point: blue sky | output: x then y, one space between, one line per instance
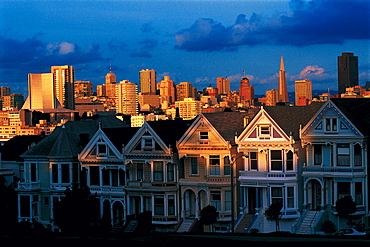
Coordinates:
190 40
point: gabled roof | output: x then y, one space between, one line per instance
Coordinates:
290 118
64 141
230 124
357 110
12 149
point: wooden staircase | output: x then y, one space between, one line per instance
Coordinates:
308 221
131 227
244 223
185 225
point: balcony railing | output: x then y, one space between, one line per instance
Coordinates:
142 184
346 170
106 189
268 175
29 186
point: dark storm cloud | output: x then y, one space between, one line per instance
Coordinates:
29 54
147 46
309 23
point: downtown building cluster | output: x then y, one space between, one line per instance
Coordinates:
305 156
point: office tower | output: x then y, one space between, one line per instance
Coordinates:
347 71
12 102
41 92
210 91
167 90
83 89
110 84
100 90
184 90
303 92
148 81
64 85
271 97
127 100
189 108
282 87
4 91
223 85
246 92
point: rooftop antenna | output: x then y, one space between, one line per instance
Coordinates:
110 67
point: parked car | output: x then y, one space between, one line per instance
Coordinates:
348 232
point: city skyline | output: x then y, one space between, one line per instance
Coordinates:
213 39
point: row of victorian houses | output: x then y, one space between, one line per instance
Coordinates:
306 157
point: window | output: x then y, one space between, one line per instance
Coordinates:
33 172
277 195
94 175
158 170
105 175
317 154
139 171
46 201
265 130
171 205
290 197
214 163
227 200
253 160
344 189
331 124
101 150
203 135
54 173
194 165
147 143
65 173
216 199
358 193
170 172
159 205
227 167
276 160
343 154
357 155
289 161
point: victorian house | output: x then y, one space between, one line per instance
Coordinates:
209 156
271 174
336 158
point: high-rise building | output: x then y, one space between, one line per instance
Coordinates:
64 85
246 92
110 84
12 102
303 92
127 100
210 91
189 108
282 87
83 89
5 91
184 90
223 85
271 97
148 81
167 90
41 92
347 71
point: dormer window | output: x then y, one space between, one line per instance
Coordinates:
265 130
101 150
331 124
147 143
203 135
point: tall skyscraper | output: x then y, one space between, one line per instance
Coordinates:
167 90
148 81
223 85
41 92
110 84
282 87
83 89
64 85
184 90
246 92
347 71
303 92
127 100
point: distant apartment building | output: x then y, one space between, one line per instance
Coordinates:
184 90
64 85
271 97
189 108
83 89
148 81
223 85
347 71
5 91
167 90
303 92
127 99
12 102
246 92
148 101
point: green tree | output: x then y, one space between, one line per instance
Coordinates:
345 206
78 211
208 215
273 213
